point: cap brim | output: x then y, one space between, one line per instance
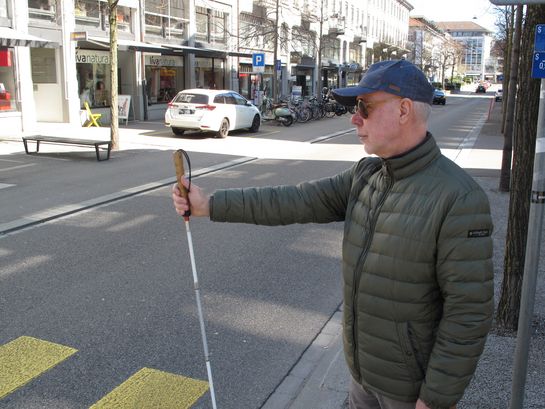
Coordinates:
347 96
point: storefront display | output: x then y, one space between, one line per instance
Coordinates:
94 82
164 77
209 72
7 81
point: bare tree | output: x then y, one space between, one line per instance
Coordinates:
526 116
114 127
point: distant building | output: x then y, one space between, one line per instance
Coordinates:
426 44
476 41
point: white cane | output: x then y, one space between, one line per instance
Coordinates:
179 165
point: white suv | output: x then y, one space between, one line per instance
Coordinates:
213 110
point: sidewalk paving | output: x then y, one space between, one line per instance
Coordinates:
325 384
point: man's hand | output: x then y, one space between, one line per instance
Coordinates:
421 405
197 203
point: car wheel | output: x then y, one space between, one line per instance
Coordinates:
224 129
255 124
444 102
178 131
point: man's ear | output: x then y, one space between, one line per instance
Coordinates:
406 109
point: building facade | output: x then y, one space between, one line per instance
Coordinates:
428 48
55 56
476 43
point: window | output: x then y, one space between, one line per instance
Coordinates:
42 9
165 18
239 100
4 8
210 25
93 73
7 81
43 66
164 78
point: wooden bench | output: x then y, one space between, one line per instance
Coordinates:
69 141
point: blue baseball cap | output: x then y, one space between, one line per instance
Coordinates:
397 77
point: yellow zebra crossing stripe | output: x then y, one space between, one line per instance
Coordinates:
24 358
151 389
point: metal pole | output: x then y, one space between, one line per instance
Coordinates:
531 261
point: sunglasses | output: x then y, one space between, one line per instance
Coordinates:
364 106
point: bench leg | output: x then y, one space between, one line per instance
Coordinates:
109 148
25 142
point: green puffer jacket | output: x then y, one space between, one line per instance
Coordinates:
417 266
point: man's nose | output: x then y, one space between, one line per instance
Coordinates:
357 119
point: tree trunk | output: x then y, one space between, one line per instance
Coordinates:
510 27
114 127
505 175
521 186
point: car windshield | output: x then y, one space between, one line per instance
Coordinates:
192 98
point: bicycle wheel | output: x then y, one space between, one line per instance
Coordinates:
304 114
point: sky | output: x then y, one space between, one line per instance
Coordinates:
459 10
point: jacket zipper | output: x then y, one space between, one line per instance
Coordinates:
359 269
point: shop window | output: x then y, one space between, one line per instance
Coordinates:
163 82
209 73
42 9
44 70
7 81
94 81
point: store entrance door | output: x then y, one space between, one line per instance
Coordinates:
47 86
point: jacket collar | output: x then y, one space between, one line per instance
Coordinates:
413 161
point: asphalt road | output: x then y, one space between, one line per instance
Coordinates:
114 281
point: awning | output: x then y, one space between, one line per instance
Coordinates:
206 52
13 38
123 44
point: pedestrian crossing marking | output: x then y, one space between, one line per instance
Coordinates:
24 358
151 389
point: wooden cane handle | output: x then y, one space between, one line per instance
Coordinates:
179 166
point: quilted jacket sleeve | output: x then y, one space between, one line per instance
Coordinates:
319 201
465 276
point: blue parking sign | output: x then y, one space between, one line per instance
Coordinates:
258 62
258 59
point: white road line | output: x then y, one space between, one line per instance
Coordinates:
17 167
5 185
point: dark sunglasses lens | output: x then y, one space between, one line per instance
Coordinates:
362 109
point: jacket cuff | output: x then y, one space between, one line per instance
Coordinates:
435 401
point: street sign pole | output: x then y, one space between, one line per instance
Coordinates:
533 240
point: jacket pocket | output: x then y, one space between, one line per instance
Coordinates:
411 353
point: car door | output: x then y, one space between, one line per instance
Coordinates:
228 108
245 114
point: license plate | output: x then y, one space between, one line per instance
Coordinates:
186 111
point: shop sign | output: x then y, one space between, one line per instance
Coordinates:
78 36
164 61
92 57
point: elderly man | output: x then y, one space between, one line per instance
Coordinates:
417 268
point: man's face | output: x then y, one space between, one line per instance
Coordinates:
379 131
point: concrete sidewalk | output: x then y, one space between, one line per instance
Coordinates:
320 379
